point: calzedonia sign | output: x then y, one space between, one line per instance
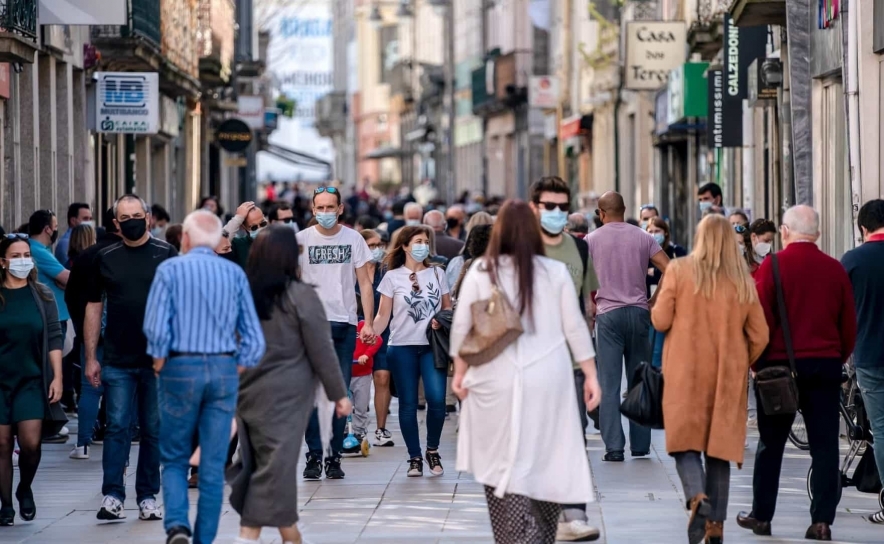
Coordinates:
743 44
724 121
653 49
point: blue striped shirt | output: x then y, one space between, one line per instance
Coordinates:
200 303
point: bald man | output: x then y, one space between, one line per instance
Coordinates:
621 253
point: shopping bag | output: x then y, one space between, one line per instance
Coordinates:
644 401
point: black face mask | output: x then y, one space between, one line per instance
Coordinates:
229 256
133 229
54 236
453 223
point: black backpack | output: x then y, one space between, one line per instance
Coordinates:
583 249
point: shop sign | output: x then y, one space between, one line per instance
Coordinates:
271 119
743 44
83 12
570 128
170 120
653 50
724 123
251 110
543 92
661 112
878 26
234 136
688 92
128 102
4 80
762 90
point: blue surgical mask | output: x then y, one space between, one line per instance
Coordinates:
659 238
254 233
377 254
705 205
419 252
553 221
643 225
327 220
412 222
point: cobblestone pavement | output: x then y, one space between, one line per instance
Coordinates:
640 501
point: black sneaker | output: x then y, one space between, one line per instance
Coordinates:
7 516
415 467
333 469
313 470
613 457
450 409
434 462
68 402
98 434
178 535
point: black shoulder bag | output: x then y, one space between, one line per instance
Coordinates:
776 385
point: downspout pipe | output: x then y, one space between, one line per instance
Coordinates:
850 66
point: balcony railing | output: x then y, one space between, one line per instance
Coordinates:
712 11
19 16
215 36
144 22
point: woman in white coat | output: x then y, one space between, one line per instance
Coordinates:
520 432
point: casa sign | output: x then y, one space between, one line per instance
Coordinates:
653 49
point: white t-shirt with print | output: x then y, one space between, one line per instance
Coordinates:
413 310
330 263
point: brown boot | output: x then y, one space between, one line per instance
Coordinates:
700 510
714 532
818 531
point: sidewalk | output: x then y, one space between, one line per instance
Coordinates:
640 501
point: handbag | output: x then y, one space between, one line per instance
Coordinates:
644 401
776 385
496 325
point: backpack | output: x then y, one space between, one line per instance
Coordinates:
583 249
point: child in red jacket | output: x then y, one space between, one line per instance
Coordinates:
360 382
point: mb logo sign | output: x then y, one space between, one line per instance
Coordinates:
127 102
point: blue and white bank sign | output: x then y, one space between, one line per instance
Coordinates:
128 102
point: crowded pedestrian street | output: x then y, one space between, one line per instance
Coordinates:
638 502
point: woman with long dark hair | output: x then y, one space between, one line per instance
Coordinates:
412 293
277 397
30 372
520 431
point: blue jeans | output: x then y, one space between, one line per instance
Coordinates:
871 384
657 339
90 398
121 387
408 364
196 395
344 338
622 334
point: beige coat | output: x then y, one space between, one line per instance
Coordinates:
709 346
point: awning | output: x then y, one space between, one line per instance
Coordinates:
388 152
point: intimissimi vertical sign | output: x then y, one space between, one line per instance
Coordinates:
742 45
724 120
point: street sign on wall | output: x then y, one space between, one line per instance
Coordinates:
653 49
742 44
127 102
543 92
233 135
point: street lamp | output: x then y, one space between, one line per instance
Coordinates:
404 11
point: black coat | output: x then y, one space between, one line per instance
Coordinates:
440 339
52 340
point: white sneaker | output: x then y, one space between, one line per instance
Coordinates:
80 452
148 510
383 438
15 458
111 509
576 531
64 431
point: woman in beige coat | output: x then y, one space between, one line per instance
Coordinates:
715 329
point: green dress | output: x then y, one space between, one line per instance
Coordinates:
21 378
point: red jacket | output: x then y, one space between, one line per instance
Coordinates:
364 349
819 303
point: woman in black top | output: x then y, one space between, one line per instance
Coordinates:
659 229
30 371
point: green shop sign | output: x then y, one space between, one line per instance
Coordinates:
688 92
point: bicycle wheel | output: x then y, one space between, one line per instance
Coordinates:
809 485
798 433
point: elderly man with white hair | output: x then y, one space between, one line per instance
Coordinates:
446 246
815 332
202 329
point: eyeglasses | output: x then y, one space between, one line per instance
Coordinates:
329 190
260 225
16 235
379 245
415 287
739 229
550 206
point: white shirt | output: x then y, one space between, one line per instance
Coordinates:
413 310
330 263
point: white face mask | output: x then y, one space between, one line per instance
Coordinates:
21 267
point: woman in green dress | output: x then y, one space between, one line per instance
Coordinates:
30 371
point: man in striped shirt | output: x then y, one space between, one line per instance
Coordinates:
201 327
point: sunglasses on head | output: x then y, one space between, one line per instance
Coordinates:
550 206
329 190
260 225
16 235
739 229
415 287
225 234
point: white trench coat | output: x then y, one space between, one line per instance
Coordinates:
519 424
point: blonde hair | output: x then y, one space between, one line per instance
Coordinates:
716 258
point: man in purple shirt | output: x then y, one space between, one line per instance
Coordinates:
621 253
